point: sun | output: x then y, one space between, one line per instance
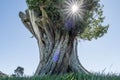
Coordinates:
74 9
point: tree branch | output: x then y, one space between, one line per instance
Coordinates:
26 22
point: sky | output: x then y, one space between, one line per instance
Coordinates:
18 49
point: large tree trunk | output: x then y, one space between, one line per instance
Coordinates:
58 48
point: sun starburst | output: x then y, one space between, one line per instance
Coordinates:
74 9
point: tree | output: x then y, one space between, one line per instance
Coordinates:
19 71
56 25
3 74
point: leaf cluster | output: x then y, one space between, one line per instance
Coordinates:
94 27
50 6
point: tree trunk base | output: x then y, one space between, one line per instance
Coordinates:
71 65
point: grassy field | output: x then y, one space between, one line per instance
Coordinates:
67 77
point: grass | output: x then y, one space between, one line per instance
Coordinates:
68 77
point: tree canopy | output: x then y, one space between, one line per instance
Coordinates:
88 27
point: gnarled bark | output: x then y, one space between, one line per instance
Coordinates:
58 48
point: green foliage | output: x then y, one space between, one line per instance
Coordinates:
67 77
19 71
90 27
34 4
50 6
94 24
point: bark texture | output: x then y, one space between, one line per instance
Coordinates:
58 48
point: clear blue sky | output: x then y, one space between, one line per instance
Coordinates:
18 49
